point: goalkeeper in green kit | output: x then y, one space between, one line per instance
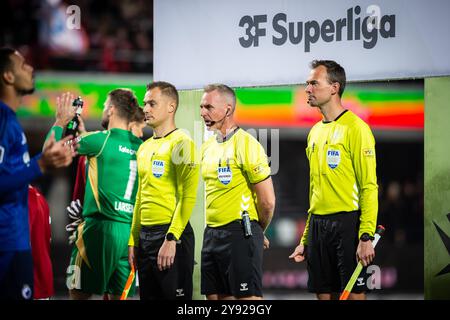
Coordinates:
99 261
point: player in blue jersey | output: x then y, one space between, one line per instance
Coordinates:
17 170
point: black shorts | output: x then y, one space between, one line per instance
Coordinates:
231 263
331 252
171 284
16 275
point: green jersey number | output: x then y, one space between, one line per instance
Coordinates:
131 180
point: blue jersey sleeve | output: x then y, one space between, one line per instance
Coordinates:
16 168
12 179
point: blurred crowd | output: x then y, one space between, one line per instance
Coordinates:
96 36
401 208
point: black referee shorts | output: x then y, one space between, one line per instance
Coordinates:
171 284
331 252
232 264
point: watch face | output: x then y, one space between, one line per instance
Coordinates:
365 237
170 237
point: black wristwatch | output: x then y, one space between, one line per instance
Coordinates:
365 237
170 237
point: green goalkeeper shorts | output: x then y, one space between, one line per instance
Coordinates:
99 261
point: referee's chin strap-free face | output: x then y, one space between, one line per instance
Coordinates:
213 122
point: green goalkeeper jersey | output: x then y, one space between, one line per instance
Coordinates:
111 183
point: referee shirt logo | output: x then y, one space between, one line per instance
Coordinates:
180 292
244 286
333 158
224 175
360 282
158 168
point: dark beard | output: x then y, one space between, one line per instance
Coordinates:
24 92
105 123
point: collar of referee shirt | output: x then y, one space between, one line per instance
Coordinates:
155 137
342 113
222 139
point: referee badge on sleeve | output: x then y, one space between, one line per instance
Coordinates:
369 152
224 175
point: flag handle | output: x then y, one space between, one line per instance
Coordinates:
128 284
359 267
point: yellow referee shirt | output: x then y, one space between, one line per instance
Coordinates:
342 163
168 179
229 169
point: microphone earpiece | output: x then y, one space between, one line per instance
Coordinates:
226 115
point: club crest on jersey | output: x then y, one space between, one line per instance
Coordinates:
224 175
158 168
333 158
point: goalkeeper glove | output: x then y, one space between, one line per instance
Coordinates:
74 210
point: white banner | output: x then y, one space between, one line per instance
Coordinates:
269 42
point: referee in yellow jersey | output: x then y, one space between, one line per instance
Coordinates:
239 202
343 189
162 240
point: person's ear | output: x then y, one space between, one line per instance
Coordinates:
171 107
335 88
8 77
130 125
